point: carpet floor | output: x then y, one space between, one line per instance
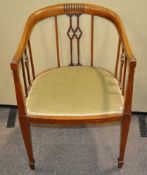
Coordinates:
71 150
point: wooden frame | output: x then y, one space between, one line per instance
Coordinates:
125 60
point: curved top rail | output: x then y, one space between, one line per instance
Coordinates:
70 8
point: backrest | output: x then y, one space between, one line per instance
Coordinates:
74 31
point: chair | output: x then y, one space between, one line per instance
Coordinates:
73 94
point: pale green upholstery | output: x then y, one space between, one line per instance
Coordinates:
75 91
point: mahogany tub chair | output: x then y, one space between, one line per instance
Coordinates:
75 93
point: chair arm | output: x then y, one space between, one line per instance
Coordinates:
124 39
23 42
23 55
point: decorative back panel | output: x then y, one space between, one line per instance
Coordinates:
74 32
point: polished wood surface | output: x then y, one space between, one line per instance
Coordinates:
117 59
31 59
125 62
57 41
92 38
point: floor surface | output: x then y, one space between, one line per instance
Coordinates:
71 150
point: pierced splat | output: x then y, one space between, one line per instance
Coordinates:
74 32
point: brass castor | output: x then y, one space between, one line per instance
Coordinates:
32 165
120 163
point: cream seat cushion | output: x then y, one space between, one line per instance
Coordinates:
74 91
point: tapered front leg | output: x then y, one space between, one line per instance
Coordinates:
26 133
125 123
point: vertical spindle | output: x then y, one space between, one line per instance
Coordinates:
124 75
27 66
24 77
31 59
117 59
57 41
92 36
121 66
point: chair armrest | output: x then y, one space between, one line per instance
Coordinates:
23 42
124 40
127 63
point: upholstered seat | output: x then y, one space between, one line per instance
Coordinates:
75 91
